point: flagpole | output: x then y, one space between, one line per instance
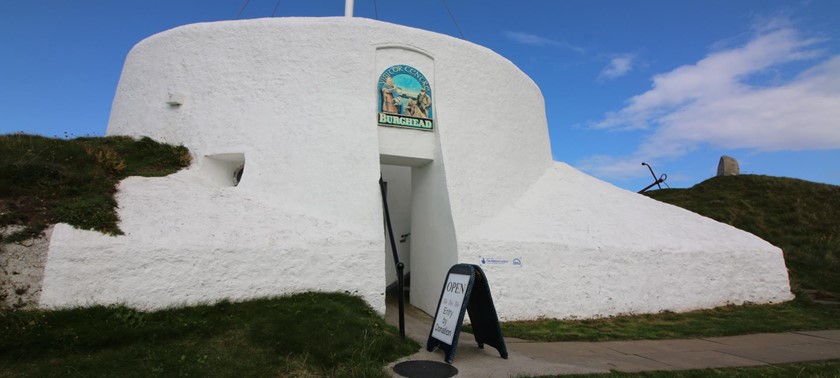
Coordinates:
348 8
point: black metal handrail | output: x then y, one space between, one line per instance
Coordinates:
397 263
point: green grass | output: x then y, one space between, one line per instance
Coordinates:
825 369
48 180
306 334
803 218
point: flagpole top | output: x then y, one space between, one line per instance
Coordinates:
348 8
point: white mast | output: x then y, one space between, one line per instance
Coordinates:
348 8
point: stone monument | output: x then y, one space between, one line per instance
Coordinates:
728 166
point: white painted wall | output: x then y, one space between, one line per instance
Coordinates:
589 249
190 241
434 247
297 98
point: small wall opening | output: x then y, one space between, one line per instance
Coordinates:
224 169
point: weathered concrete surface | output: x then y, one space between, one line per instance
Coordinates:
22 270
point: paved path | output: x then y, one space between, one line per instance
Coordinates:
540 358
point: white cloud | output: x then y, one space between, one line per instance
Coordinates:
605 166
618 66
535 40
711 103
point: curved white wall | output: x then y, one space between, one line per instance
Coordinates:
296 99
589 249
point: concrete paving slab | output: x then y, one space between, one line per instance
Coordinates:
634 364
474 362
820 351
700 359
590 356
783 354
650 346
579 349
765 339
833 335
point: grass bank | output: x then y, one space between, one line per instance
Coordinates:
47 180
300 335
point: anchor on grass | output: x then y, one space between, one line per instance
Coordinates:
656 181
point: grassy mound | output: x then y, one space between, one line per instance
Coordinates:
301 335
46 180
800 217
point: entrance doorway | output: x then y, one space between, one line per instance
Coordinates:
398 192
422 223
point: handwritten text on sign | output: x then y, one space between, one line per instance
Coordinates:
450 307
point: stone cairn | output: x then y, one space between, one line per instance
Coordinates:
728 166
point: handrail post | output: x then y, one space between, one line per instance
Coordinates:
399 265
401 288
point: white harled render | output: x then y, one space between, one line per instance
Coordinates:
294 101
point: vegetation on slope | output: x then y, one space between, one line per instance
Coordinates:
48 180
800 217
312 334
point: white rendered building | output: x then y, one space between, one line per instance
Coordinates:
308 106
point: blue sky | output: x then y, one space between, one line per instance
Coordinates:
676 84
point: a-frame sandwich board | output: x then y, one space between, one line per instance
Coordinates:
465 289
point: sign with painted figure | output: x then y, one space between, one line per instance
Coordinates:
465 290
405 98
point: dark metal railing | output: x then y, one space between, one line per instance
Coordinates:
397 263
